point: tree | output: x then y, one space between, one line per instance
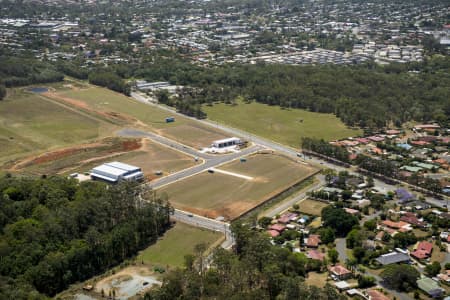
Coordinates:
359 253
339 220
366 281
333 255
433 269
400 277
2 92
327 235
370 225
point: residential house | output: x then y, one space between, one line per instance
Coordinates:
430 287
393 258
412 219
313 241
340 272
314 254
423 250
398 226
376 295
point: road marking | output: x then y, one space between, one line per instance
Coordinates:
232 174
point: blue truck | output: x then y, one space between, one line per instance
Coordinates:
170 119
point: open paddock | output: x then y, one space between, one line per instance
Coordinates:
218 194
170 249
182 130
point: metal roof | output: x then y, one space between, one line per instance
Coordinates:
122 166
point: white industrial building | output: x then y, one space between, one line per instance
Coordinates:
229 142
115 171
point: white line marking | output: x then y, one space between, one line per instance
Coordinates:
232 174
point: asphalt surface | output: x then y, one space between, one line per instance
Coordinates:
213 162
300 196
209 161
202 222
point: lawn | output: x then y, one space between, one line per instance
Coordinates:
317 279
217 194
30 122
175 244
285 126
311 207
183 130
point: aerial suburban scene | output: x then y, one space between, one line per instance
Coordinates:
224 149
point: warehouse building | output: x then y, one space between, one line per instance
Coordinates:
114 172
230 142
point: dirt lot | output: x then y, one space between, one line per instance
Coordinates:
217 194
312 207
128 282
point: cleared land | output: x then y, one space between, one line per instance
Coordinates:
150 156
72 127
183 130
285 126
175 244
217 194
311 207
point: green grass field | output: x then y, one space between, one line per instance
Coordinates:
175 244
281 125
30 122
182 130
218 194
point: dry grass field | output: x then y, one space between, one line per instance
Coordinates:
217 194
312 207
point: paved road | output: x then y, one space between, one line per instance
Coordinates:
302 195
210 161
199 221
341 248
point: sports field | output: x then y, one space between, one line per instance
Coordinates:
230 195
175 244
285 126
138 114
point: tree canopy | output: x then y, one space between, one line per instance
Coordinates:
55 231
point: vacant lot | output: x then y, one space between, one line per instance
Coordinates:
217 194
286 126
182 130
150 156
30 122
312 207
317 279
175 244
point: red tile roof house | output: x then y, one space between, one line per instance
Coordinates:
340 272
277 227
423 250
288 217
377 295
313 241
273 233
412 219
314 254
400 226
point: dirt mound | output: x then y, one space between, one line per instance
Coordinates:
105 147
